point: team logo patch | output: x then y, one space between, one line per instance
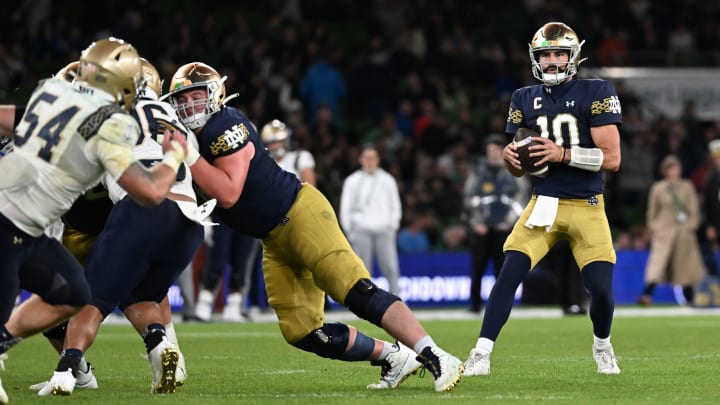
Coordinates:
515 116
593 201
231 139
606 105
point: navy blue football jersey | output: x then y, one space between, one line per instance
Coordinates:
269 190
565 113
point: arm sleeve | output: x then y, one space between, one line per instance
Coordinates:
114 143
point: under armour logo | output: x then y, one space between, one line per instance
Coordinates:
570 103
17 240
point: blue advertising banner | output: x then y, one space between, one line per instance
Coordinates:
443 279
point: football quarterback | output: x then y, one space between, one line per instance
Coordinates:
577 120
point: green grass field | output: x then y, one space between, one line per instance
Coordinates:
671 359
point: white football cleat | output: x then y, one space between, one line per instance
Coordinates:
3 357
61 383
233 308
3 395
85 380
447 370
477 363
397 367
204 305
180 373
164 360
606 361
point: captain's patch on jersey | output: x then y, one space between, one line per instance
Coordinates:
231 139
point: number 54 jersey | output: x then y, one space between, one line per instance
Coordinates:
565 113
68 138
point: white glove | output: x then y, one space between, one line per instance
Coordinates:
192 155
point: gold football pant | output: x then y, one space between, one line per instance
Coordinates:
584 224
78 243
304 258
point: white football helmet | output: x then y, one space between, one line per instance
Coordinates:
555 35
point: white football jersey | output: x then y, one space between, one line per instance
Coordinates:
68 138
295 161
154 117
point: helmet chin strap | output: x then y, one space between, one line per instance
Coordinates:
553 79
196 121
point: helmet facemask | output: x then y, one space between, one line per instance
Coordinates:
555 36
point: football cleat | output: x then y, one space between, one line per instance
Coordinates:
164 360
397 367
3 395
204 305
3 357
606 361
180 373
85 380
61 383
447 370
232 311
477 363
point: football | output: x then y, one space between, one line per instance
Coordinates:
522 143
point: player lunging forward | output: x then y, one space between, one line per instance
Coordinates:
305 254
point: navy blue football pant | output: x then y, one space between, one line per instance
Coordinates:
140 253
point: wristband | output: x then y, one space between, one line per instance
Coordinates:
589 159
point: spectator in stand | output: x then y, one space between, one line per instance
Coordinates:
323 84
412 238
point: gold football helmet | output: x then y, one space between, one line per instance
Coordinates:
150 79
276 131
555 35
112 65
69 72
193 76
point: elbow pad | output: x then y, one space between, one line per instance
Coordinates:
589 159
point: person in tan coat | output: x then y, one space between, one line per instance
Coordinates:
673 219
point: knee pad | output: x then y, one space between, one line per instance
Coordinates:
56 332
63 293
329 341
368 301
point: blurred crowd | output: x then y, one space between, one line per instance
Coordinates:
425 81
